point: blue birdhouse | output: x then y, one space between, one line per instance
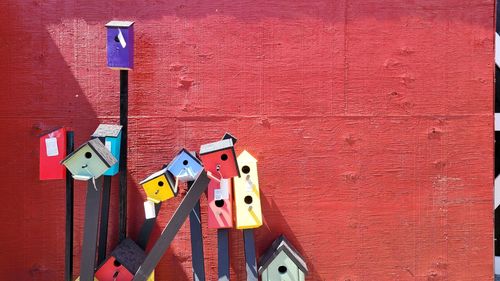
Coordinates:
111 137
120 44
185 166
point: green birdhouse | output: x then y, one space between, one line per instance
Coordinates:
282 262
90 160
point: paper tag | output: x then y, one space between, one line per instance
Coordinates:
121 39
217 194
107 144
149 209
224 188
51 146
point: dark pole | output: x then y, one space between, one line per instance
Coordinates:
147 228
122 194
103 227
90 229
197 254
250 258
68 271
223 254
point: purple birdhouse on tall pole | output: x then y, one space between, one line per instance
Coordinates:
120 44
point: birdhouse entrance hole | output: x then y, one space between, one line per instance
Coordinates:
245 169
116 263
185 162
160 183
248 199
223 157
219 203
117 39
88 155
282 269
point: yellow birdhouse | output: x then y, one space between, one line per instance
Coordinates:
247 194
159 186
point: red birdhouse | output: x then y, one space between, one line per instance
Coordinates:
219 158
220 207
52 151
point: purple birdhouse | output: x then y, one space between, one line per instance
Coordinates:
120 42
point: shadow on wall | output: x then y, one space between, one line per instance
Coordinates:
276 226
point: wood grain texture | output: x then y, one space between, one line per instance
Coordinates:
371 120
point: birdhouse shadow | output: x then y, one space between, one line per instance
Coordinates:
273 228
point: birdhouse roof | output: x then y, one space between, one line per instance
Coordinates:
228 135
245 156
282 245
46 132
96 145
155 175
216 146
191 154
129 255
106 130
119 23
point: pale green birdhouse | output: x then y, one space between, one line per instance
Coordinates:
89 161
282 262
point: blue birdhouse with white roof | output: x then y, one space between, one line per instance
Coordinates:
185 166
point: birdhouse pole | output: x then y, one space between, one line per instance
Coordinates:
250 259
122 193
68 271
90 229
197 255
103 228
147 228
223 254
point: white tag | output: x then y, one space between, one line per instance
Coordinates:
108 145
121 39
51 145
217 194
149 209
224 188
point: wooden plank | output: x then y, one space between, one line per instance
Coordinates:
103 227
122 193
197 253
68 257
223 254
250 257
90 230
173 226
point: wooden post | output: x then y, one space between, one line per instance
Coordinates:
223 254
197 254
250 258
147 228
90 229
173 226
68 258
103 228
122 193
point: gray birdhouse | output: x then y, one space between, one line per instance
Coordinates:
282 262
90 160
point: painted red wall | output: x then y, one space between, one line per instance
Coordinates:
371 120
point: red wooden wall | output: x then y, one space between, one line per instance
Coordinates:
371 120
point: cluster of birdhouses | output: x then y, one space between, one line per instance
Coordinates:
230 181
